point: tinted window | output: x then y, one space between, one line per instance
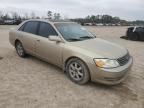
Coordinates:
31 27
46 29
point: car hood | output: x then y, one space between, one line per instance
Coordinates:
100 48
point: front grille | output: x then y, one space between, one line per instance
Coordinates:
124 60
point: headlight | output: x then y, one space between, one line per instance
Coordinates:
106 63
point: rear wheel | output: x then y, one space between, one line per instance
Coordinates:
134 37
20 50
77 71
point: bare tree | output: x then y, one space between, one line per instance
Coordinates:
1 15
49 14
6 16
37 17
66 17
33 16
26 16
57 16
15 15
42 17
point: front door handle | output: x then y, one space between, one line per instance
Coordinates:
38 40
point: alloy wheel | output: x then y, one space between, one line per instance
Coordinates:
76 71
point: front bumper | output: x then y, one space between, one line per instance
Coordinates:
110 76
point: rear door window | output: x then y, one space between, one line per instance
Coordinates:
31 27
45 30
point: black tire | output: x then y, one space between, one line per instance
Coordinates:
81 71
20 50
134 37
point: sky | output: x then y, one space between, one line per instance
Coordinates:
125 9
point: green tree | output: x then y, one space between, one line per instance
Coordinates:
106 19
93 18
116 20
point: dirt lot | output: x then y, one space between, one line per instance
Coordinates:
32 83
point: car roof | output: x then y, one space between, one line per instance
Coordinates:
51 21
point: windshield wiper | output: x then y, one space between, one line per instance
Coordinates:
74 39
80 38
87 37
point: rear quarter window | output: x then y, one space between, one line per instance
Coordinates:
21 28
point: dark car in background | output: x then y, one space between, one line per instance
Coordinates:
1 21
10 22
135 33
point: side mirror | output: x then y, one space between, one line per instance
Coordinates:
54 38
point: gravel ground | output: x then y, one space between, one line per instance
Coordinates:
32 83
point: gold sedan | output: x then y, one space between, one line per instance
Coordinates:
81 55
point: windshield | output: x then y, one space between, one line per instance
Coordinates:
73 32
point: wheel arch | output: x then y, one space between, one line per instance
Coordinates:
73 57
69 58
17 40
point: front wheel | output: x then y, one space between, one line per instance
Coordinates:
77 71
20 50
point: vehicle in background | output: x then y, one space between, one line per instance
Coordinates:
10 22
135 33
1 21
